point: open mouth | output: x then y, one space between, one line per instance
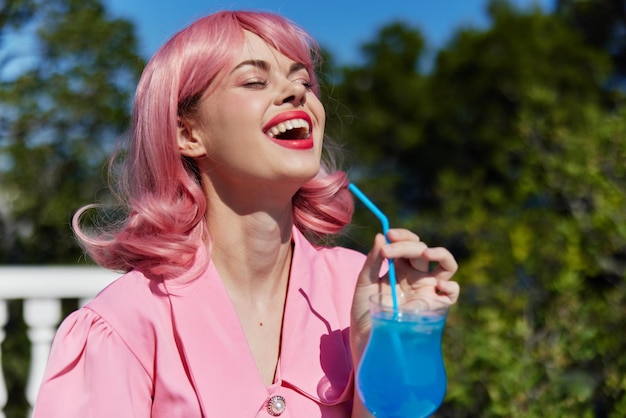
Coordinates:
291 129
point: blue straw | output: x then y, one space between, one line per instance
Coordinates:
385 223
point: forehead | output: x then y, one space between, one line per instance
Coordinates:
255 48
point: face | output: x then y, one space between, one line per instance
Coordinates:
261 122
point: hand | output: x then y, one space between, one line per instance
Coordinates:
412 259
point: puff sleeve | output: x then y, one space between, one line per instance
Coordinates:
92 373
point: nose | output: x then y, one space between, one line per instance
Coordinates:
293 92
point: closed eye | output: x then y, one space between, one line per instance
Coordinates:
255 85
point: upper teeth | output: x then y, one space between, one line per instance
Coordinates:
287 125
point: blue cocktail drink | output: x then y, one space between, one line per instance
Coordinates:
402 374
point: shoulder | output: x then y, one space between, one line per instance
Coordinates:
341 259
135 308
83 333
338 259
84 364
338 267
131 294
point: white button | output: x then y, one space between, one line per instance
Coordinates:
276 405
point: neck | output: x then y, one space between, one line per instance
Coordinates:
251 246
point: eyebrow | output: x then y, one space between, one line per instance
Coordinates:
265 66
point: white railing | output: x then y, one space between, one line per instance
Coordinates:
42 288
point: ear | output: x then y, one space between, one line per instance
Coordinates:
189 142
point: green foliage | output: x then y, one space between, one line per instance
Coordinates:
602 24
509 154
16 361
510 151
14 13
384 108
59 123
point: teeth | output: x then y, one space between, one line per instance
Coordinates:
283 127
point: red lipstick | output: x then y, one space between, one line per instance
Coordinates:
292 129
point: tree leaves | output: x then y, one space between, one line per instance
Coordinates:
515 161
510 150
59 124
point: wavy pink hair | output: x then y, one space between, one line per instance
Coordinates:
165 221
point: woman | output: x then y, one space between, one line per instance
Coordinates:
225 308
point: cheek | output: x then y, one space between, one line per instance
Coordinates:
319 113
318 108
226 119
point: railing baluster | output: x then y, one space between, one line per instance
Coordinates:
4 317
42 317
42 288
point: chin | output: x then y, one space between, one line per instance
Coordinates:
301 175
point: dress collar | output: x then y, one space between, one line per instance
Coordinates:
314 359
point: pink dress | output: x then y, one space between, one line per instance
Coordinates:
149 348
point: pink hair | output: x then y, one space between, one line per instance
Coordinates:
165 223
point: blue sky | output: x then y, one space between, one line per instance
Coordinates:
340 26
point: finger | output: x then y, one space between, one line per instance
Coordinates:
404 249
401 234
419 264
444 259
373 263
409 250
448 288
